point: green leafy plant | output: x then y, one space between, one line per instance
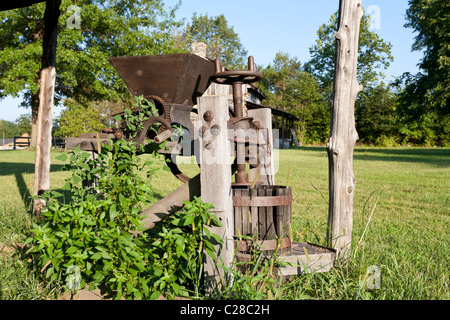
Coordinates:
97 232
93 237
179 246
133 119
93 231
255 279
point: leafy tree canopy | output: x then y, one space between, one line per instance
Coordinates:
8 129
23 123
76 119
374 54
106 28
424 97
291 89
221 39
431 21
375 112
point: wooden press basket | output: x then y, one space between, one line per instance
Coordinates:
264 214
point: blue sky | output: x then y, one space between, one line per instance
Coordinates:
266 27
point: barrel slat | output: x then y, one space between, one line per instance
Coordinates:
271 232
254 213
287 216
279 213
262 226
237 214
245 216
264 213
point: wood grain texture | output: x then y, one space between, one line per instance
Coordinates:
215 180
46 97
343 135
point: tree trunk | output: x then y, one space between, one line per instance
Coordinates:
343 135
46 96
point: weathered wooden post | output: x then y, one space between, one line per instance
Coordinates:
215 180
343 135
46 96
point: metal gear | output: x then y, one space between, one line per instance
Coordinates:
161 105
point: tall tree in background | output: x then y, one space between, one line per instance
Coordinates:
88 34
376 120
374 55
76 119
291 89
221 39
8 129
424 100
23 123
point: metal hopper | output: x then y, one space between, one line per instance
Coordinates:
176 78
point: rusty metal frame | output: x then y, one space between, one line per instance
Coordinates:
175 78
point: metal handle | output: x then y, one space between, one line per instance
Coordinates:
222 76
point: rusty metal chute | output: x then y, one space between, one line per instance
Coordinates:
176 78
10 5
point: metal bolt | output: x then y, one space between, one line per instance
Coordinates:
209 146
215 130
208 115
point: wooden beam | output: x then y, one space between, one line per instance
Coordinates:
307 258
304 258
86 144
215 180
46 96
295 137
343 135
10 5
171 203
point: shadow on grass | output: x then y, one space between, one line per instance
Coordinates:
18 170
8 168
311 148
432 156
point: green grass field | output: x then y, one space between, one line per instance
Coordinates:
401 201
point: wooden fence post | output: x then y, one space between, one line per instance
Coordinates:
46 96
343 135
215 179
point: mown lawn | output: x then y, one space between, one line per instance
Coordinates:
402 192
